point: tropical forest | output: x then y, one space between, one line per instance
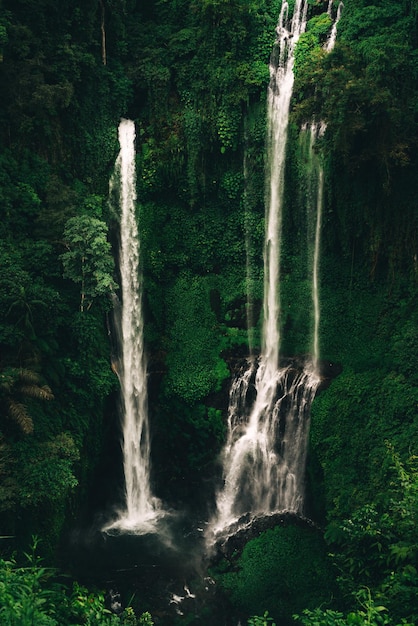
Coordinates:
208 312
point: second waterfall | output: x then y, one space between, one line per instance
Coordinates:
141 508
264 456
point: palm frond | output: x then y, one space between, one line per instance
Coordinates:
46 393
28 376
36 391
18 413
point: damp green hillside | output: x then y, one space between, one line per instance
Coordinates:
193 76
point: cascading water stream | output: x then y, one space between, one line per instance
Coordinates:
314 186
141 507
315 270
315 175
333 35
264 456
278 105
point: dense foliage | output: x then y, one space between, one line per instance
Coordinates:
193 76
284 569
31 594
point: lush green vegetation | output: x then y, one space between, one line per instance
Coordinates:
284 569
32 595
193 76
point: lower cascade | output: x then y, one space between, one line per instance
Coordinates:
264 456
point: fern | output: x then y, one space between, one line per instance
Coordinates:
18 413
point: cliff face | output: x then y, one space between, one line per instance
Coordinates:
193 77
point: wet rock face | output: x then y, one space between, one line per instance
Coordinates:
238 360
249 528
328 372
327 369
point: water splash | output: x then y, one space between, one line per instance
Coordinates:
141 508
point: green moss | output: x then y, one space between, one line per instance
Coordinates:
194 366
283 570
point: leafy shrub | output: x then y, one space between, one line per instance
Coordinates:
284 569
376 546
30 596
256 620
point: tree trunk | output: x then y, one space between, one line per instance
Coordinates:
103 31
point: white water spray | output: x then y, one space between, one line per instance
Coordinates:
142 509
265 453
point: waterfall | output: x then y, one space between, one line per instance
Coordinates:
314 188
141 507
278 105
264 456
315 175
333 34
315 268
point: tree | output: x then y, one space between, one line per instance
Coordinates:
88 260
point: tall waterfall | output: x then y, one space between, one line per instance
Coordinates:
141 507
264 455
278 105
